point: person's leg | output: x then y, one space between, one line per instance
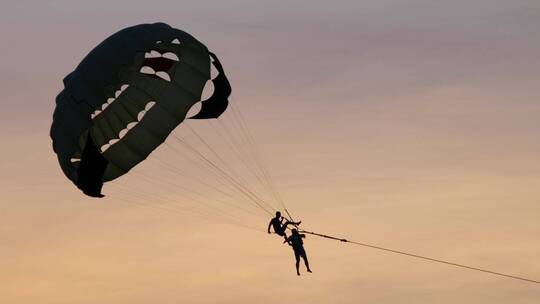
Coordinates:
297 257
304 256
287 222
285 225
282 233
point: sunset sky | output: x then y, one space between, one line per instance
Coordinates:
412 125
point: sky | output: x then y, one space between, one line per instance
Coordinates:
411 125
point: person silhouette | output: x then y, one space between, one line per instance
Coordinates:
295 241
279 227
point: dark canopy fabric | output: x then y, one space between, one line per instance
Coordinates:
126 97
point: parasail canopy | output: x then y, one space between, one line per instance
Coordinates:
126 96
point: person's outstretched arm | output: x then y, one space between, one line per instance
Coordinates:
288 241
269 225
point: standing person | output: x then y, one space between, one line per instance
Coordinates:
279 226
295 241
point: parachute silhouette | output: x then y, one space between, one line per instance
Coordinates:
126 96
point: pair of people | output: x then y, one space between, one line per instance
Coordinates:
294 240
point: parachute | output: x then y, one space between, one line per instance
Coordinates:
125 98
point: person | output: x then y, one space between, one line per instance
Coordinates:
279 227
295 241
